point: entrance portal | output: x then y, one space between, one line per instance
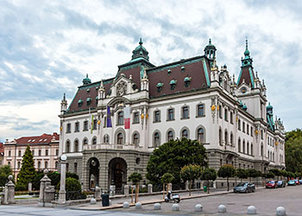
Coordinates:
93 165
117 174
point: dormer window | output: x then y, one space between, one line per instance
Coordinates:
88 90
80 103
182 68
88 101
173 84
187 81
159 86
169 72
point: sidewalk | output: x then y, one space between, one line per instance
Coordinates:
145 200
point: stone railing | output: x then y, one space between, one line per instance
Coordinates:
112 146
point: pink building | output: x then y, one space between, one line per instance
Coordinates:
45 150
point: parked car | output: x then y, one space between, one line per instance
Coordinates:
271 184
297 181
291 183
281 183
244 187
300 181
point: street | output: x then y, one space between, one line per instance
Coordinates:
265 200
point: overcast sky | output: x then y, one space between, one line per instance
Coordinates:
47 47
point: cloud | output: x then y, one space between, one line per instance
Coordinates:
47 49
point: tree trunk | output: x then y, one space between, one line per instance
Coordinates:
136 193
132 194
228 183
190 183
164 191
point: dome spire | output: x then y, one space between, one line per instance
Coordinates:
140 51
86 80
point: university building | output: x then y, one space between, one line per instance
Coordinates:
112 126
44 148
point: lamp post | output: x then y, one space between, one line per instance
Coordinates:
62 192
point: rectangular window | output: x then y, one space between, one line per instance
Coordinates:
77 127
75 167
220 111
225 114
239 124
39 152
68 128
185 112
170 114
33 152
243 127
247 129
200 110
262 134
251 131
231 118
135 118
85 126
157 116
57 152
95 123
46 152
9 153
19 153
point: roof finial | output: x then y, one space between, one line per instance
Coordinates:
140 41
210 41
246 44
87 75
64 98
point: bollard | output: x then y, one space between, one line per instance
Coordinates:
198 208
251 210
221 209
157 206
280 211
92 201
150 187
175 207
138 205
125 205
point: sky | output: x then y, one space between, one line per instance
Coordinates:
47 48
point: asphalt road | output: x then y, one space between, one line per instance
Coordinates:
265 200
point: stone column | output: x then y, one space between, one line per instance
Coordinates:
150 188
187 185
126 190
9 191
30 186
97 194
62 192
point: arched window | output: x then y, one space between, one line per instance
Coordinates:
76 146
120 118
56 165
261 149
170 135
200 135
120 139
185 133
94 141
231 139
239 145
226 137
67 146
220 137
39 164
19 164
106 139
156 139
135 139
248 148
185 112
85 141
252 149
46 165
243 147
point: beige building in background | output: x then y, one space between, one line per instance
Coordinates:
45 150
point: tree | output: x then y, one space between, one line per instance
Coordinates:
166 179
135 178
173 155
226 171
241 173
293 151
252 173
5 171
27 172
276 172
209 174
190 173
269 175
73 189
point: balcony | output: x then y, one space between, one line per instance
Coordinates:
112 147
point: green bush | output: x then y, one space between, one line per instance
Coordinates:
21 187
71 175
73 189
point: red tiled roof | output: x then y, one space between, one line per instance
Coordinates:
245 75
1 147
43 139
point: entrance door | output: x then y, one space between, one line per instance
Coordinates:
93 165
117 174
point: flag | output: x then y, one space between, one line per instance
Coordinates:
127 117
109 124
92 123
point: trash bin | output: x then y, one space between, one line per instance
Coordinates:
205 188
105 199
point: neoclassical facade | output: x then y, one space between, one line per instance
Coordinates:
112 126
44 148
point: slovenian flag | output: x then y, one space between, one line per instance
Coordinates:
109 124
127 117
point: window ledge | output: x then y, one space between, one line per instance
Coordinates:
170 119
185 118
156 121
200 116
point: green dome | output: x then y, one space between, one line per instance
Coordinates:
187 79
244 107
172 82
140 52
86 80
159 84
